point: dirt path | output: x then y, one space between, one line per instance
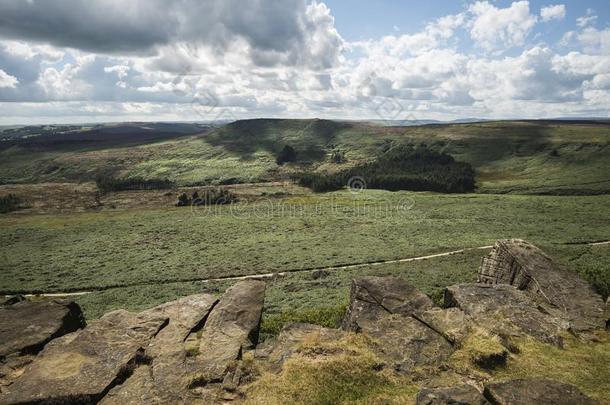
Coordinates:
283 273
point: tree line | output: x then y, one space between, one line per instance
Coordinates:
9 203
403 167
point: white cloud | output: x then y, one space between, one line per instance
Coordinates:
434 35
587 19
494 28
28 51
7 80
554 12
248 72
595 41
64 84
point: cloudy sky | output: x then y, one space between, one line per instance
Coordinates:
124 60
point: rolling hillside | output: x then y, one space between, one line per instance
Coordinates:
542 157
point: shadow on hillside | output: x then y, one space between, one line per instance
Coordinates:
310 138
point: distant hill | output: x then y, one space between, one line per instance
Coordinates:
54 136
544 157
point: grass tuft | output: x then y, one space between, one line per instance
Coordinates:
345 371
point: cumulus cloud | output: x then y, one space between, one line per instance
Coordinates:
273 31
7 80
586 19
494 28
285 58
554 12
594 40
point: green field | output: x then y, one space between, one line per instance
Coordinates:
141 257
546 182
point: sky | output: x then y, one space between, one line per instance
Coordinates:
75 61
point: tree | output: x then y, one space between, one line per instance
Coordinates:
183 200
288 154
338 157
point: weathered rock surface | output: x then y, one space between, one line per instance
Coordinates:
26 326
452 323
458 395
165 379
373 297
82 366
290 338
505 311
383 308
538 391
523 265
230 328
138 389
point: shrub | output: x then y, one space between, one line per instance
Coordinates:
287 154
338 157
183 200
215 196
9 203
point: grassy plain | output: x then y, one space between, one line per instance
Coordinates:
134 249
141 257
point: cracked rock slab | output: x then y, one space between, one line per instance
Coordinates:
84 365
231 327
372 297
138 389
452 323
505 311
520 264
166 378
26 326
384 308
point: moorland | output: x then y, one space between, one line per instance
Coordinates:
132 247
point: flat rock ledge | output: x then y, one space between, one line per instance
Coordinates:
190 351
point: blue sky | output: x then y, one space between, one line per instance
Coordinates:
111 60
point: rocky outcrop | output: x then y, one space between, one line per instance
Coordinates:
26 326
160 356
229 330
83 366
538 391
505 311
384 308
520 264
191 360
165 378
375 297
